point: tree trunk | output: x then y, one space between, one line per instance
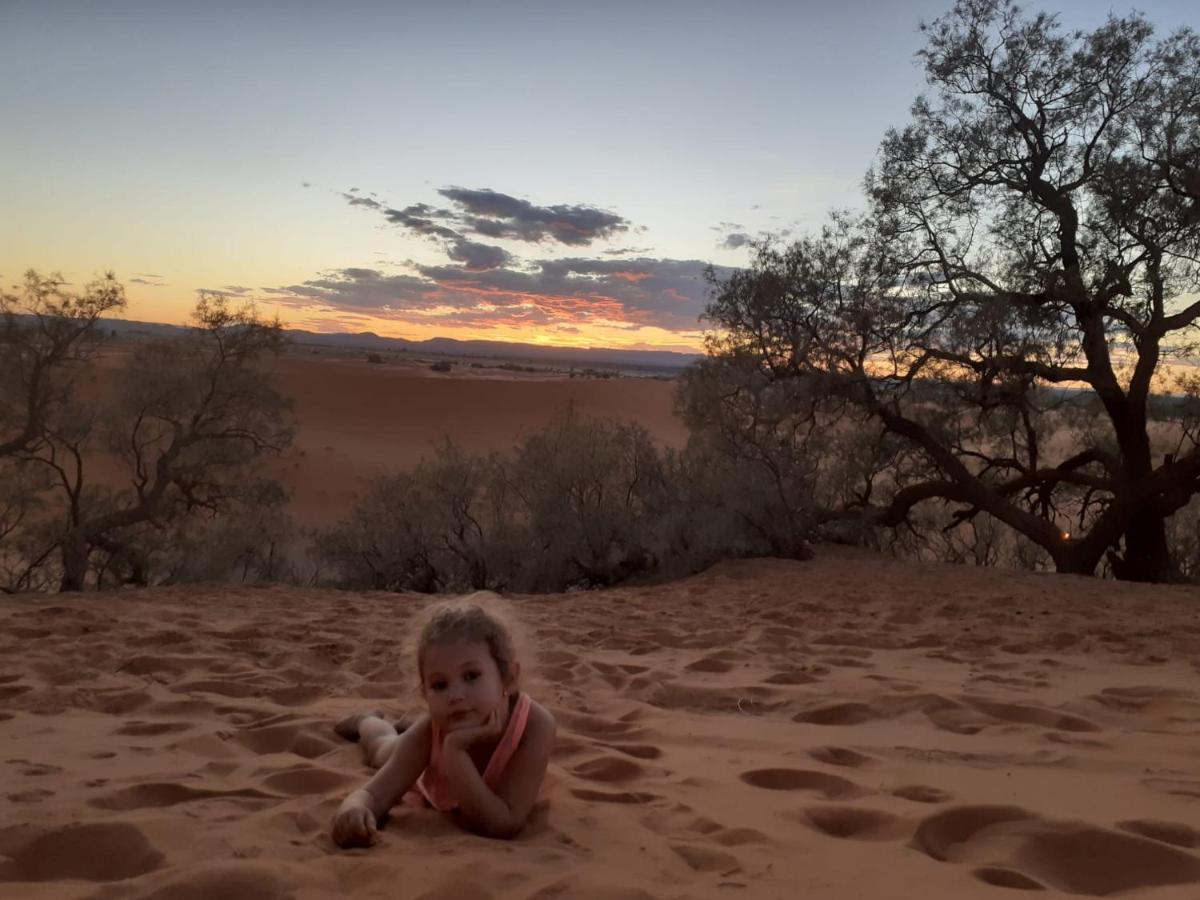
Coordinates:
1147 556
75 565
1076 561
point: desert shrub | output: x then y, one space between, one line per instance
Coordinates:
591 491
574 504
580 503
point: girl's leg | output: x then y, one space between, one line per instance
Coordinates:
377 736
378 739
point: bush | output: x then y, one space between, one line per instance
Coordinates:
580 503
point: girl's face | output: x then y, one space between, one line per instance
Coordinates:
462 684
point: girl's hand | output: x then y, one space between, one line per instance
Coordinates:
491 729
355 827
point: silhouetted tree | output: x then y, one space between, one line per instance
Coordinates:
1033 237
47 335
189 418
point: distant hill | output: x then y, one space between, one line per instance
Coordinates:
653 359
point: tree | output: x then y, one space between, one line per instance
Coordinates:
47 336
1033 237
189 419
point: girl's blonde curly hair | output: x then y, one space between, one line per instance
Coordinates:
468 621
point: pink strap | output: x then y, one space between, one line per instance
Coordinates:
508 743
434 785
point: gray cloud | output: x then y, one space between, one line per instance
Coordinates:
664 293
419 218
736 239
477 257
361 201
492 214
366 289
499 215
621 251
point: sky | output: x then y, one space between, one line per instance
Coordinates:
557 173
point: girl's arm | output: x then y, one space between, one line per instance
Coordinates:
501 814
398 774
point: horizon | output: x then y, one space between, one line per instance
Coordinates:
560 179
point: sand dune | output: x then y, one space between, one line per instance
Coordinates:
850 727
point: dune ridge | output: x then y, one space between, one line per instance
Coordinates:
851 726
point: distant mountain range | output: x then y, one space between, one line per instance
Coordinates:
651 359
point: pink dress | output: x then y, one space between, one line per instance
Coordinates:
433 784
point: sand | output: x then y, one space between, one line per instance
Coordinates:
849 727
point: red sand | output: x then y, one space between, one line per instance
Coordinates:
849 727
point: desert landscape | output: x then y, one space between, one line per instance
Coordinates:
356 421
707 340
851 726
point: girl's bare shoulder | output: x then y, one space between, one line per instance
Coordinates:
541 723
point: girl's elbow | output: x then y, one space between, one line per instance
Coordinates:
506 831
500 829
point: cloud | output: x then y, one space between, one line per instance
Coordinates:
364 290
500 215
736 239
361 201
419 218
477 257
489 213
621 251
567 292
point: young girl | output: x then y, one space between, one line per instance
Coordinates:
481 751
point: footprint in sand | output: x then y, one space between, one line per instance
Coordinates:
841 756
838 714
241 879
707 859
301 780
103 851
1168 832
1180 787
592 796
922 793
159 794
794 676
609 769
715 663
637 751
1032 715
1069 856
308 741
851 822
150 729
829 786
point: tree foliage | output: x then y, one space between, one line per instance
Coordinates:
184 422
1024 272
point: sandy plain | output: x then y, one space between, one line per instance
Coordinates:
356 421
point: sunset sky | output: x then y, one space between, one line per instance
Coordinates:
555 172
